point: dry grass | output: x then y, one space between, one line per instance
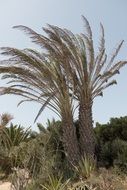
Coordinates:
102 180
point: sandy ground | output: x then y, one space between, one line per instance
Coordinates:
5 186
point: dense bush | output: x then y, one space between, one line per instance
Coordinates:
112 143
42 152
115 128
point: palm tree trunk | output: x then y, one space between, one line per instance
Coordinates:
70 141
86 132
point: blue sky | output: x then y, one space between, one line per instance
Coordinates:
66 14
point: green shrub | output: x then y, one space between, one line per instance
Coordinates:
11 138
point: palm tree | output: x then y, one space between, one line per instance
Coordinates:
89 74
36 77
68 70
14 135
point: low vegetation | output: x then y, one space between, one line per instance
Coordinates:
36 160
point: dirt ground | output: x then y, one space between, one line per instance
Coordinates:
5 186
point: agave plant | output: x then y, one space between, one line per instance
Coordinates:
83 186
68 70
55 183
85 167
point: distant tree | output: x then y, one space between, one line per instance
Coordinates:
54 130
112 142
5 118
11 138
115 128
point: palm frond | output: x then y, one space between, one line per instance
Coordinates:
67 66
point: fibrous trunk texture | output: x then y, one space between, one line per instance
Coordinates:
70 141
86 132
